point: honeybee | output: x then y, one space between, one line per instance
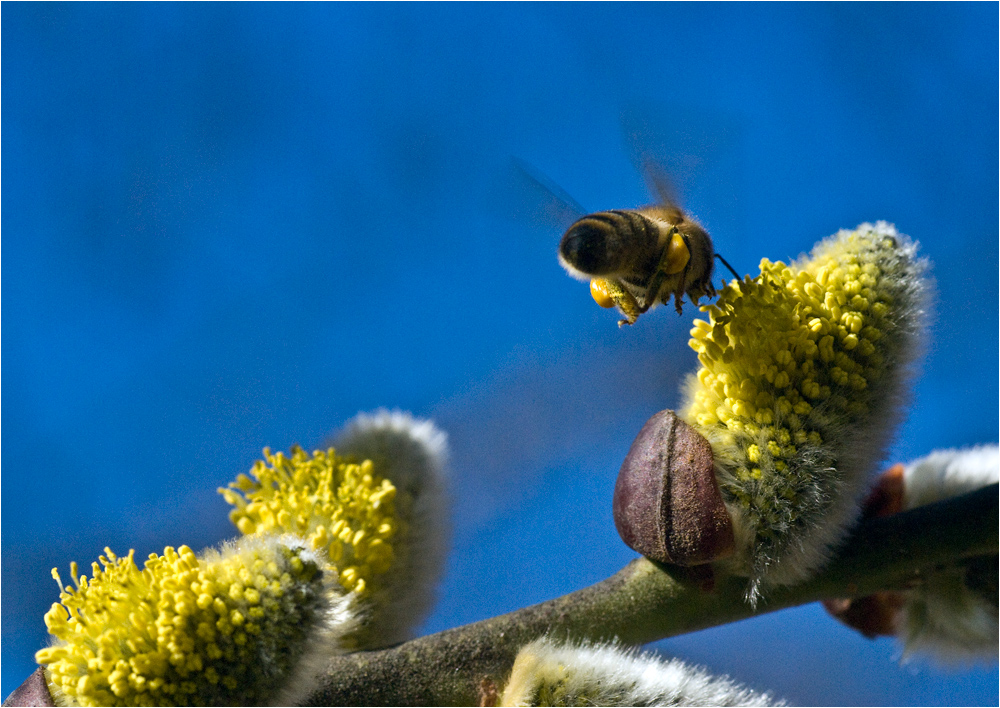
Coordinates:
638 258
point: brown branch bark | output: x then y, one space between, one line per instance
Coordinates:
645 602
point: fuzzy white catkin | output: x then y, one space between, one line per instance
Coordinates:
949 473
412 454
550 673
946 617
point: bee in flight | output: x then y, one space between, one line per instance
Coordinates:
638 258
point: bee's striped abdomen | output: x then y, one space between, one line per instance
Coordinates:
609 242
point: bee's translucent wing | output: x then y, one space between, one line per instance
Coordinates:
659 182
553 204
649 144
680 150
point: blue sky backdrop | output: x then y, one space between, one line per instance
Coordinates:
227 226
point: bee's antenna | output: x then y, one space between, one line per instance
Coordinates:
727 266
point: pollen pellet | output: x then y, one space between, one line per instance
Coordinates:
599 291
677 254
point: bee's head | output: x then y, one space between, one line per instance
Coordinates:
591 246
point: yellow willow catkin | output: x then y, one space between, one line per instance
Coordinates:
802 373
344 509
229 628
375 506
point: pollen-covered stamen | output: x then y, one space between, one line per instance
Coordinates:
405 554
344 509
375 506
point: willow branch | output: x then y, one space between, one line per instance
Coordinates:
646 602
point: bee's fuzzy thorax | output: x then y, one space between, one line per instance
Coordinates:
550 673
802 377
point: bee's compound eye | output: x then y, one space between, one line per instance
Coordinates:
599 291
677 254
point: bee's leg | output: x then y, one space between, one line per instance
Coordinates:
698 289
679 292
625 301
671 271
653 288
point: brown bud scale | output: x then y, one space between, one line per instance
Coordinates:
33 692
667 503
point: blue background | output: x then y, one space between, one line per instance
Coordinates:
230 226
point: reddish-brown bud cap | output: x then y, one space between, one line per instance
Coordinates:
667 504
886 497
33 692
872 615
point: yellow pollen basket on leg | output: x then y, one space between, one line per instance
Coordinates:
677 255
599 291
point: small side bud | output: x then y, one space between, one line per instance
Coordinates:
873 615
667 504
